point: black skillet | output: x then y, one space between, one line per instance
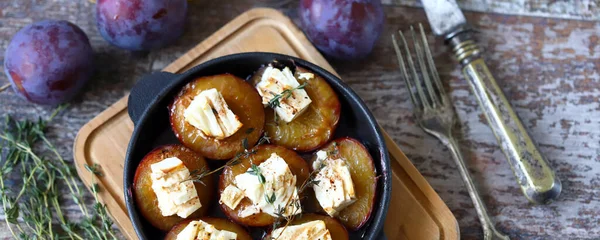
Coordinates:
152 94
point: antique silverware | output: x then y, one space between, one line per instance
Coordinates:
532 171
434 113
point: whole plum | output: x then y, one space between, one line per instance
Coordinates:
140 24
49 61
343 29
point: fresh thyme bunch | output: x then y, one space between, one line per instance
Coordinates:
32 207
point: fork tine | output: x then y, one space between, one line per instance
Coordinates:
420 59
404 72
411 65
432 68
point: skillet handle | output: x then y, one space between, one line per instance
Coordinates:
144 91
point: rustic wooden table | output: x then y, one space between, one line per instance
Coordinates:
547 65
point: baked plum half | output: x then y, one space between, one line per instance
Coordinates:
297 166
315 126
336 229
219 223
241 98
364 178
145 197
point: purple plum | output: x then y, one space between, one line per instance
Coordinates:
141 24
48 62
343 29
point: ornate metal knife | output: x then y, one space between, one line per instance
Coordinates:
534 175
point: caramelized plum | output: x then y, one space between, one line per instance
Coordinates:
241 98
297 165
362 171
219 223
315 126
336 229
145 197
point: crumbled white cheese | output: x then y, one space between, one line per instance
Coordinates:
274 82
278 190
249 211
174 195
306 76
231 196
335 189
204 231
314 230
209 112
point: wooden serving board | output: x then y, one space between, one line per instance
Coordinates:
415 212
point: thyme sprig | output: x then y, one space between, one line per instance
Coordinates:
33 211
255 170
276 100
198 175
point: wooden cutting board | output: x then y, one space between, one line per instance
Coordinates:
415 212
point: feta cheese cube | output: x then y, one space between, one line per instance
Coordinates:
278 190
335 189
174 195
249 211
231 196
307 231
205 231
306 76
209 112
275 82
189 232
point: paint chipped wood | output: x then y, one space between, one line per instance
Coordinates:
568 9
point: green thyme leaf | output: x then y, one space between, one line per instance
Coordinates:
12 214
270 199
95 169
255 170
95 188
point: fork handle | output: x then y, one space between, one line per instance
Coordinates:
489 230
532 171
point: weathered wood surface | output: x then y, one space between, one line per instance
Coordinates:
571 9
547 67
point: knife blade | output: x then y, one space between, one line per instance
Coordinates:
533 173
444 16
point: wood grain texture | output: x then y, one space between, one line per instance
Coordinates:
568 9
548 68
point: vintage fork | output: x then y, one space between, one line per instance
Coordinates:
434 114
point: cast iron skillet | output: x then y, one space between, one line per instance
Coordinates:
152 94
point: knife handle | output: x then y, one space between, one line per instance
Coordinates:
533 173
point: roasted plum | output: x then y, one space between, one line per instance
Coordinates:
49 61
315 126
363 173
140 24
241 98
219 223
336 229
297 165
146 198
